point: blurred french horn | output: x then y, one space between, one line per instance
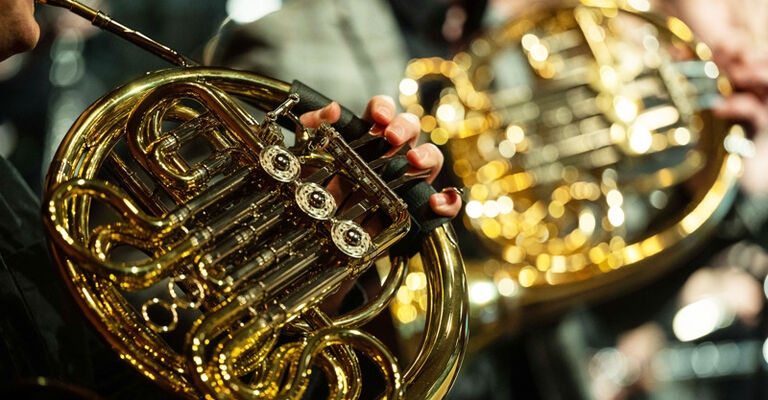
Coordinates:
583 136
206 270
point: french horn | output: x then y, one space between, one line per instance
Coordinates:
592 163
207 270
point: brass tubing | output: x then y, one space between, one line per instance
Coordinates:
218 190
388 290
143 126
343 367
205 362
239 333
127 276
237 240
136 186
432 373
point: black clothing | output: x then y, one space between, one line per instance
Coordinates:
42 331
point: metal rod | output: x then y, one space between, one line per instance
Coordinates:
105 22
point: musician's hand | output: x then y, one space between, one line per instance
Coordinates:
399 130
738 35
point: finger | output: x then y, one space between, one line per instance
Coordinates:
749 74
403 129
745 107
446 203
426 156
329 113
380 110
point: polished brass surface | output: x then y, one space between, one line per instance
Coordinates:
591 161
208 271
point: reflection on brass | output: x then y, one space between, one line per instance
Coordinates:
585 142
237 250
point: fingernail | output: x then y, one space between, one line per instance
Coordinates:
378 130
457 190
440 200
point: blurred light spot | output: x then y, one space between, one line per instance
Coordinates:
439 136
729 358
507 287
480 47
625 109
739 145
428 123
682 136
658 117
608 75
416 281
446 113
408 86
616 216
765 351
486 143
515 134
406 313
491 228
66 52
556 209
245 11
703 51
67 69
482 292
680 29
704 359
658 199
614 198
529 40
507 149
506 205
618 134
640 5
651 43
9 138
527 276
587 222
765 287
710 69
65 109
404 295
11 66
640 139
513 254
474 209
596 33
539 52
611 364
699 319
490 209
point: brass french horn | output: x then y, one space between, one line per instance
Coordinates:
592 163
235 249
